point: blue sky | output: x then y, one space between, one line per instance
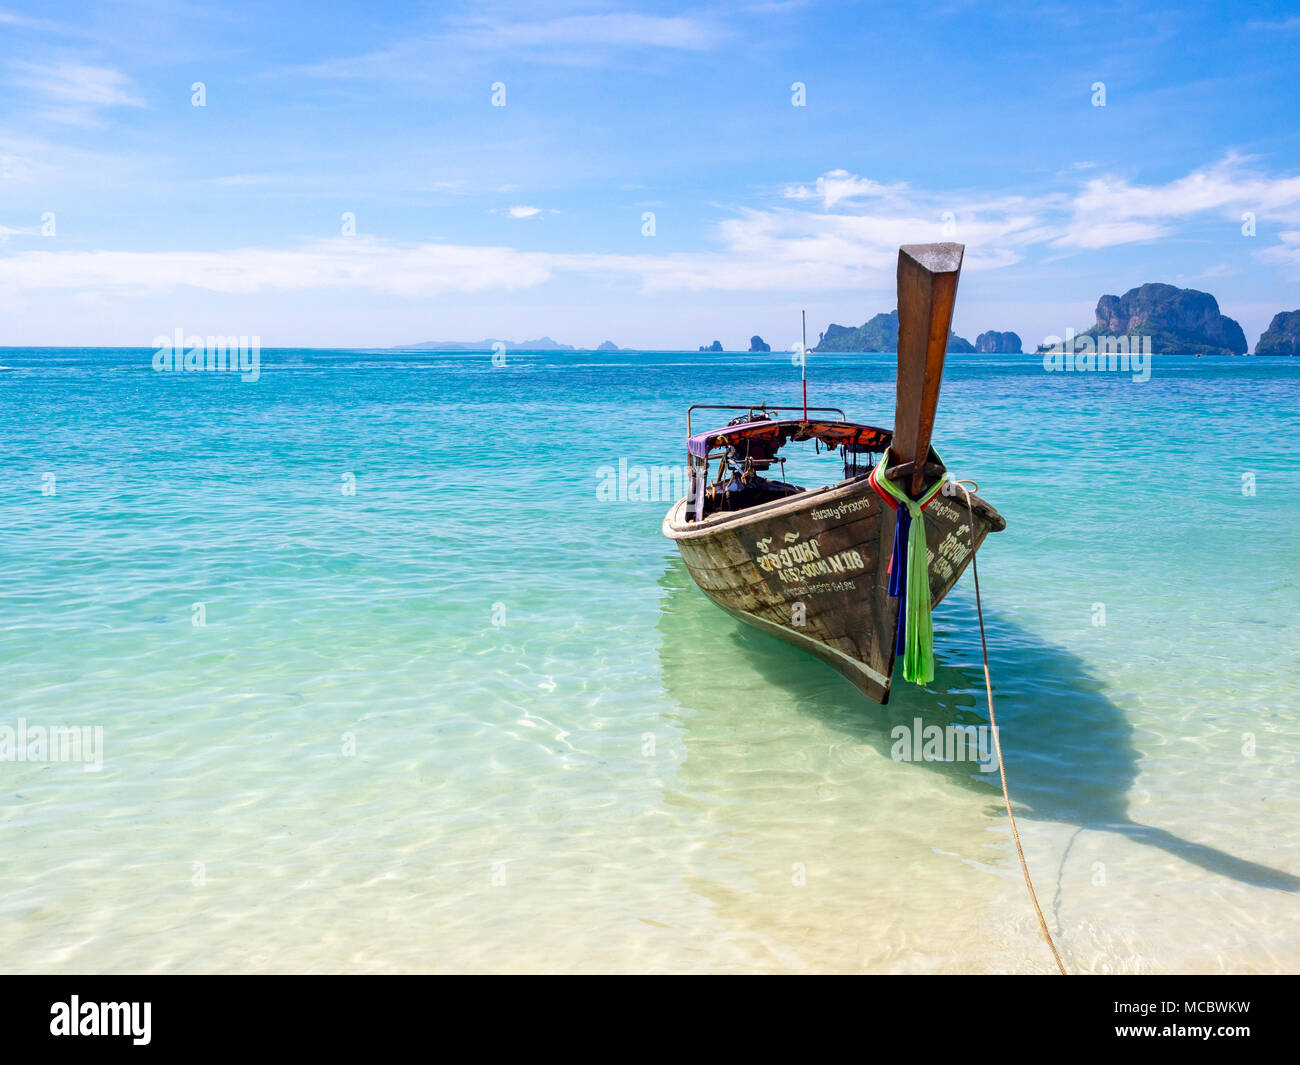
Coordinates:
966 121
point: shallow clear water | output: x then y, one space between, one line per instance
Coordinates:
474 716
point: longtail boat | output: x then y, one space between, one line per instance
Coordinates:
830 569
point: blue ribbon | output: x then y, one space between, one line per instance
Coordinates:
898 573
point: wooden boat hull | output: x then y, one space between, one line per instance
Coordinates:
813 569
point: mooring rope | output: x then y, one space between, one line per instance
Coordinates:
993 721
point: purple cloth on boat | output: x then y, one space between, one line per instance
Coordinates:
828 432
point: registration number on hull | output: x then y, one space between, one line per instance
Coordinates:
800 561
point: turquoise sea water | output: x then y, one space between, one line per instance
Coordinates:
451 708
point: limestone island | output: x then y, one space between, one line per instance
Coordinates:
1179 321
995 343
878 334
1282 337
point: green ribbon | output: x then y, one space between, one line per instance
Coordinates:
918 645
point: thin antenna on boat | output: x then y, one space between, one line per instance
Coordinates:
803 362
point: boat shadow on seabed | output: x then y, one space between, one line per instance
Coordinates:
1065 729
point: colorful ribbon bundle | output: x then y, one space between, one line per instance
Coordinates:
909 574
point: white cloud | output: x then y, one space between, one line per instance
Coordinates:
40 163
45 167
1292 23
345 262
1285 254
839 186
24 22
75 92
1112 211
845 239
244 179
612 30
571 39
1093 233
16 168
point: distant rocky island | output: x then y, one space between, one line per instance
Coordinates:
756 344
995 343
1179 321
878 334
1282 337
490 344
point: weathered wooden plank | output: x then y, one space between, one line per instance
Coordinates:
927 291
838 610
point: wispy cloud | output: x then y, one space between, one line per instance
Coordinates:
1286 253
244 179
860 216
356 262
613 30
850 245
26 22
586 39
75 92
1110 211
1292 23
839 186
16 168
44 165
